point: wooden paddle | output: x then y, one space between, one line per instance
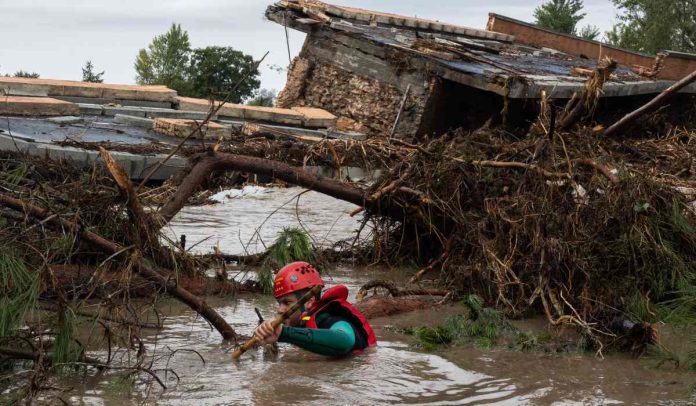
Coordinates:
253 342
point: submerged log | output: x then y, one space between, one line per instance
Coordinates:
150 273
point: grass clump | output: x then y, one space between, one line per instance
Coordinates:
19 292
292 244
480 325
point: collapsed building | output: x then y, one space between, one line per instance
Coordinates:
68 120
386 74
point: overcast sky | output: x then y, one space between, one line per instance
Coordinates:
56 37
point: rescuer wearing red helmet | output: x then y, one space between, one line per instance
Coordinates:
326 324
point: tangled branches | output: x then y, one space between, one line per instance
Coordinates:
572 227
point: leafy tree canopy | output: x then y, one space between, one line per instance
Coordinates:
655 25
214 71
26 74
560 15
264 97
203 72
165 60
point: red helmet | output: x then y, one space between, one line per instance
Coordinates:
294 277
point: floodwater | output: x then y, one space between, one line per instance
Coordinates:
392 373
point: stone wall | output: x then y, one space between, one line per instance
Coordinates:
676 65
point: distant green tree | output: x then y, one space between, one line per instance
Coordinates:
214 71
26 74
264 98
88 74
590 32
560 15
655 25
165 61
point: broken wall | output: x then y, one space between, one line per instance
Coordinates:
676 65
358 82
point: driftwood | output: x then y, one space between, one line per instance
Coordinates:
394 291
46 358
593 90
657 101
142 221
148 272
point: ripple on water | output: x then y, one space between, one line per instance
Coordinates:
234 221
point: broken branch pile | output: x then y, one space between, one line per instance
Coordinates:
572 225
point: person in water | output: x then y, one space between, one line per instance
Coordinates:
326 324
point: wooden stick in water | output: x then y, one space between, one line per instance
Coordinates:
253 342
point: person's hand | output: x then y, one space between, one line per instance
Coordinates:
266 334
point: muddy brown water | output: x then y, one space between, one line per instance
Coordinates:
395 372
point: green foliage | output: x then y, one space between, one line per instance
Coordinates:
430 338
590 32
691 360
63 247
19 172
560 15
209 72
121 384
89 75
65 349
264 98
655 25
214 71
292 245
658 246
524 342
19 291
26 74
482 326
165 60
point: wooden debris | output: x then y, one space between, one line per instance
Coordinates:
656 102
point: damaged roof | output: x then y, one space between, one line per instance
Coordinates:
482 59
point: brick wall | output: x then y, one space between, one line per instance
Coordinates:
676 66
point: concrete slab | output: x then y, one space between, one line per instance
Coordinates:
66 120
133 121
69 88
122 102
36 106
91 109
316 118
135 165
237 111
111 111
21 89
182 128
154 112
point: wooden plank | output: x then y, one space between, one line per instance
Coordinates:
36 106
